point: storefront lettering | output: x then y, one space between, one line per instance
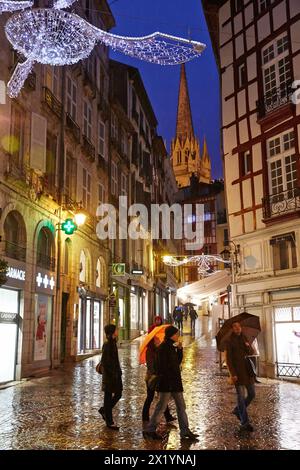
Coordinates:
15 273
7 317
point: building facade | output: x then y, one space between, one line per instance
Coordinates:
258 51
54 153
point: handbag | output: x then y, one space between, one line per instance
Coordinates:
99 368
250 366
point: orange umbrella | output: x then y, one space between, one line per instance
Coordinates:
159 332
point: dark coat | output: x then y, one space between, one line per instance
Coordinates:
151 360
112 374
236 352
168 360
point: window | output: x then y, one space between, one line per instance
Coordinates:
124 189
15 236
71 177
263 5
51 150
71 98
86 189
101 194
45 249
114 127
282 163
242 77
87 120
179 157
100 273
246 163
226 237
52 80
124 142
101 141
16 141
237 6
277 72
114 179
284 252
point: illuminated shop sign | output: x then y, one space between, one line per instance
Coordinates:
15 273
45 281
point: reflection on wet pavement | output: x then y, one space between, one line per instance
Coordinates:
60 411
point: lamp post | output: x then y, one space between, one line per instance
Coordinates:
231 255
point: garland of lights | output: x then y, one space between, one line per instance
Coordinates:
203 262
54 37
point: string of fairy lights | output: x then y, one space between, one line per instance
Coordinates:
52 36
203 262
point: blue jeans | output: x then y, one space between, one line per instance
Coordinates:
161 406
242 402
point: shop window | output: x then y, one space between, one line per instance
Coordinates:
45 249
284 252
15 236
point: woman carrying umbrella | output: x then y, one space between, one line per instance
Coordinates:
150 378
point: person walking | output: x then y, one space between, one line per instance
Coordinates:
111 376
169 358
193 316
179 318
242 375
150 361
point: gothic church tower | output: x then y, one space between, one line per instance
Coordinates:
185 148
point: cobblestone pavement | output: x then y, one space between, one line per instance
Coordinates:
60 411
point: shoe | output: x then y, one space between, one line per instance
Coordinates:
113 427
247 427
170 418
152 435
236 413
190 435
101 411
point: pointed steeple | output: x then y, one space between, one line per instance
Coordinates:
205 154
184 126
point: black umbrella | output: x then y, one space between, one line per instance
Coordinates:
250 328
189 304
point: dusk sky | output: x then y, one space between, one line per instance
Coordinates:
181 18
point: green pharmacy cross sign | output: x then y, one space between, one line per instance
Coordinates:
69 226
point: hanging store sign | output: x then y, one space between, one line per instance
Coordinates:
118 269
139 272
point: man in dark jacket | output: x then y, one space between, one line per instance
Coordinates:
241 373
111 377
167 368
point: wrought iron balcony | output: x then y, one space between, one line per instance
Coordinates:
274 99
88 148
53 104
281 203
46 262
73 127
14 251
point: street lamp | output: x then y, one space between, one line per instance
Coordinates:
79 217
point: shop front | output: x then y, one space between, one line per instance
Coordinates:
45 289
11 313
287 340
90 322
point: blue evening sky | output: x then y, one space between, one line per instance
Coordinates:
181 18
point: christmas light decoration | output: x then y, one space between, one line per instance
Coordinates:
203 262
54 37
14 5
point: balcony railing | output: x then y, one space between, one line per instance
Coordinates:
288 370
14 251
74 128
274 99
53 104
281 203
88 148
46 262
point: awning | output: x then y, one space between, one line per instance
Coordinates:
201 290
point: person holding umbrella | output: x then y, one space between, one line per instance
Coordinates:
242 376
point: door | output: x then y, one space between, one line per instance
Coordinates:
63 328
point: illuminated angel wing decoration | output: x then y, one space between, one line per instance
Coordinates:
14 5
59 4
157 48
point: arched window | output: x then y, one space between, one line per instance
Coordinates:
100 273
67 255
179 157
15 236
82 267
45 249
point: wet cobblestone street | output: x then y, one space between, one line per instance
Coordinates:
60 411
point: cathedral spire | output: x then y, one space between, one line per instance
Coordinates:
184 127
